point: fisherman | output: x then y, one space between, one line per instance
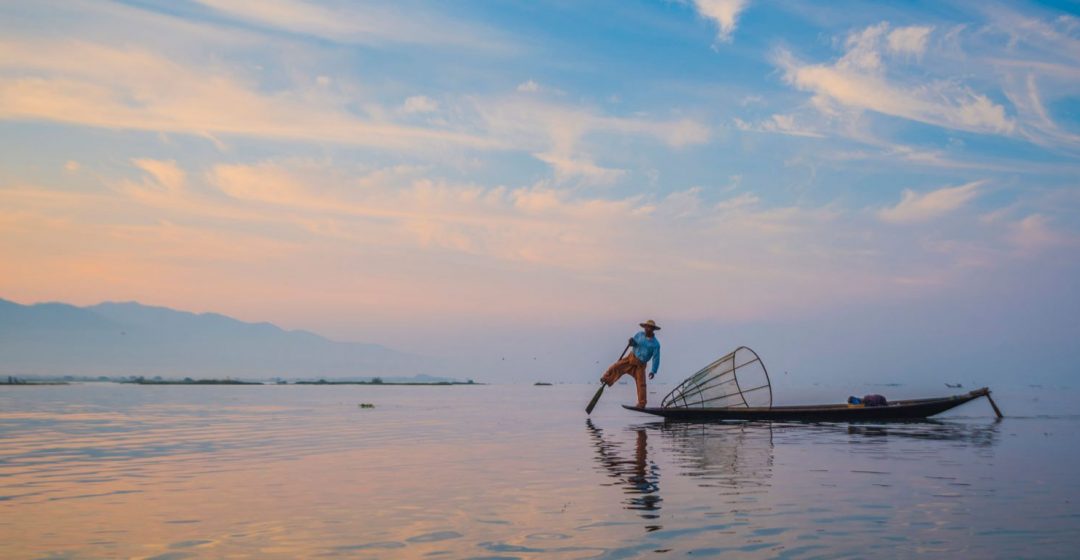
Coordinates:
646 347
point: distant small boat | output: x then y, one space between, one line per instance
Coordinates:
542 384
895 410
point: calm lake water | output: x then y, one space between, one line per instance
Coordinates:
107 471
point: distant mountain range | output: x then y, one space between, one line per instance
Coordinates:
133 339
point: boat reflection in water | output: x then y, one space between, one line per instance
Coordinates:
735 474
975 435
735 459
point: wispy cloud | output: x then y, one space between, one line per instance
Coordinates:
568 168
914 207
403 209
1033 57
528 86
1033 234
165 173
1037 125
359 23
557 131
779 123
724 13
419 104
859 80
129 88
909 40
94 84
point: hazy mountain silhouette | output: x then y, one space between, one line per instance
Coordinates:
134 339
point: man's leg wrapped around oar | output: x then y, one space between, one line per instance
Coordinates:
629 365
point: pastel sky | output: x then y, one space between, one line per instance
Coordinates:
844 185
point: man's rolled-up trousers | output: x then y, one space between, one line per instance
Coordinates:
629 365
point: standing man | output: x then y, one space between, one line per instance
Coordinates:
646 347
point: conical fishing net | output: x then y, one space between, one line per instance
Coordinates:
738 380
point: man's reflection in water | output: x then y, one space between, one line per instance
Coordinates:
734 461
639 477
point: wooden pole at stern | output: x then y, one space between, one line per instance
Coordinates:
985 392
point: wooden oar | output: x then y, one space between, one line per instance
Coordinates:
600 391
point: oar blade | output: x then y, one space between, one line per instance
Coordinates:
596 397
600 391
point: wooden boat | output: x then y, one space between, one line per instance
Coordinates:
895 410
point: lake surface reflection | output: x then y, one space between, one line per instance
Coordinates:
635 473
175 472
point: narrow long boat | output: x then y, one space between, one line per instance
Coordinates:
895 410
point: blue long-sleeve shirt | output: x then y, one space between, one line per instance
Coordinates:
646 349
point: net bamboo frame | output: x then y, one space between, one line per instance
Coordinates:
719 385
